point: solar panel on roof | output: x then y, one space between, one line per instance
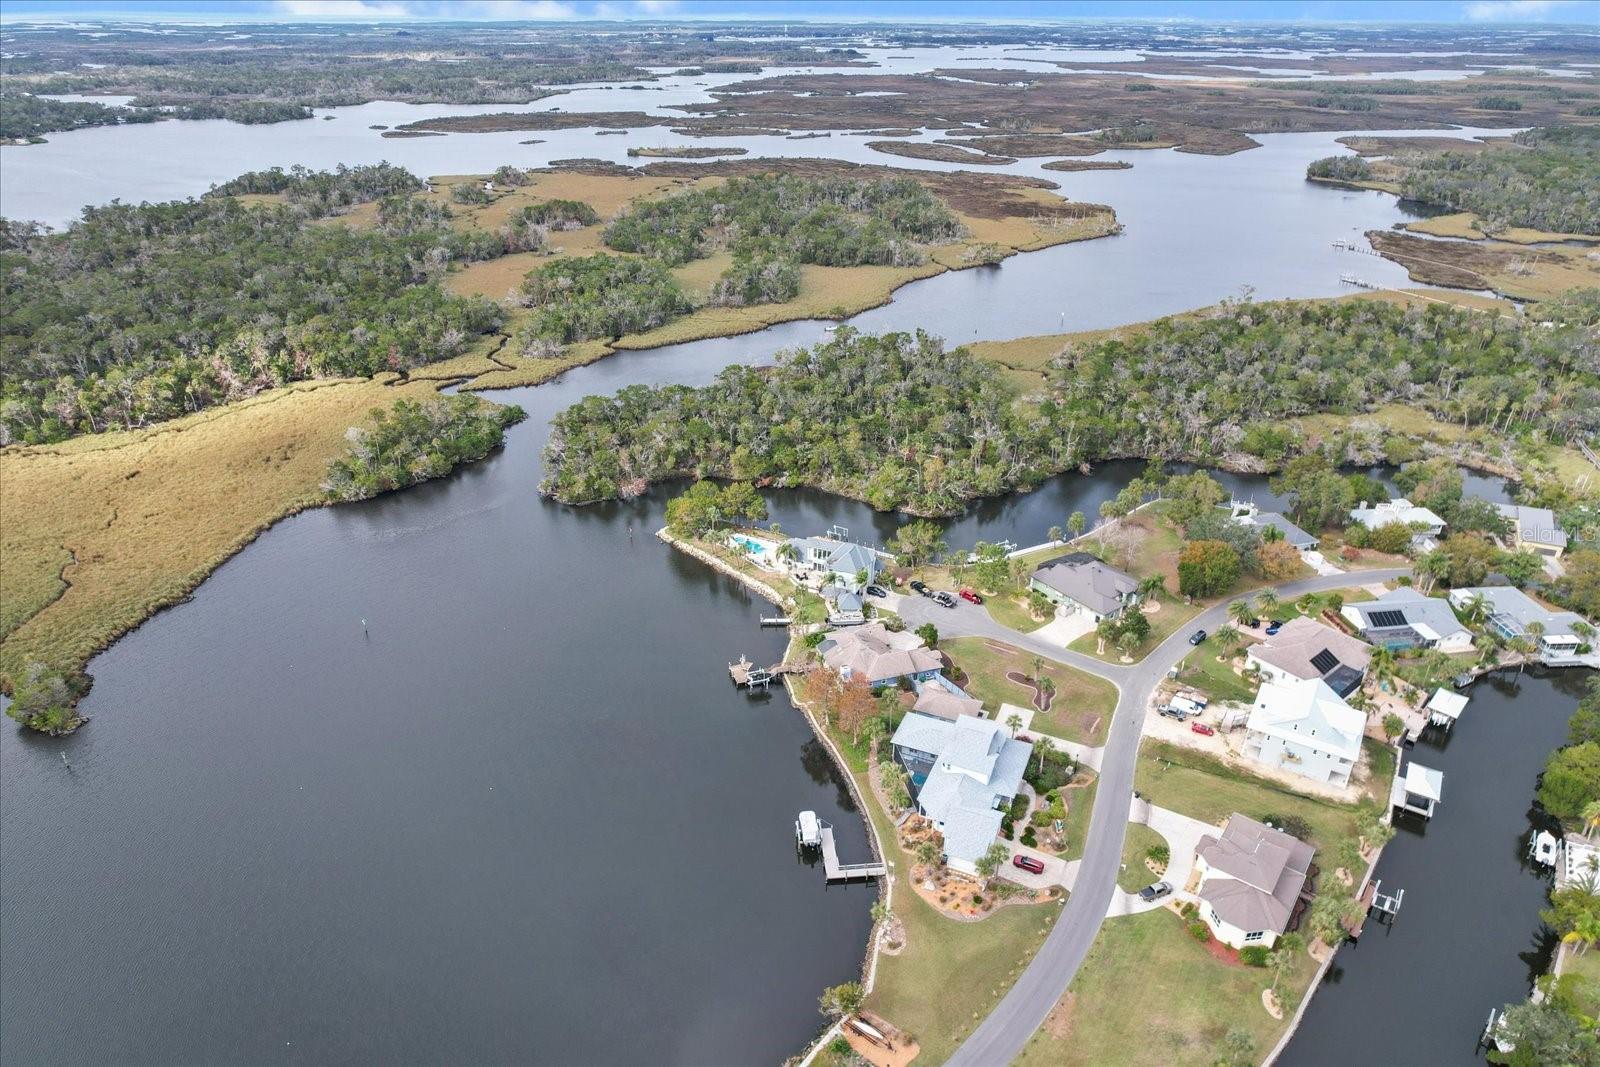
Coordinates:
1324 661
1388 618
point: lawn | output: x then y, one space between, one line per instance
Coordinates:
1203 788
1011 609
1173 616
952 974
1083 704
1075 827
1217 680
1150 995
1380 766
1140 840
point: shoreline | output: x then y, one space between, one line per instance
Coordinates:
869 963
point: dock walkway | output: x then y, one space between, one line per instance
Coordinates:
843 872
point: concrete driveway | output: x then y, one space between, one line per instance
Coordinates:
1054 868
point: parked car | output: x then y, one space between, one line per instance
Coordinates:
1172 713
1028 863
941 597
1252 622
1201 728
1155 892
877 591
1198 637
970 596
1274 626
918 587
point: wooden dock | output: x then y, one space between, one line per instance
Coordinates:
844 872
747 675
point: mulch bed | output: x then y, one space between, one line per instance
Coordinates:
1041 699
1224 953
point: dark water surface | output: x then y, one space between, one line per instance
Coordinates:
1468 937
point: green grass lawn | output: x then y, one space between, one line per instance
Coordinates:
1582 975
1010 609
1217 680
1083 704
952 974
1173 616
1195 784
1080 804
1150 995
1381 766
1140 840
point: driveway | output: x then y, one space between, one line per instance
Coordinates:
1001 1037
1054 868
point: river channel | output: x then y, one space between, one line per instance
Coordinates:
456 774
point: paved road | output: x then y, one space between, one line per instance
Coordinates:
999 1039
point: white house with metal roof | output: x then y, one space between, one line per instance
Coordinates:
1398 510
852 566
1305 728
1404 618
1251 876
1510 612
964 774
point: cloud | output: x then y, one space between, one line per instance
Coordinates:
343 9
1515 10
445 9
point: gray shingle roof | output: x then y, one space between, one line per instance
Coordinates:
1264 871
1095 585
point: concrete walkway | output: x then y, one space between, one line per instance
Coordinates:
1001 1037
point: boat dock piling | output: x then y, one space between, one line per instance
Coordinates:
747 675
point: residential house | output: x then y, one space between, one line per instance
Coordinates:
1247 514
1305 728
879 655
1305 649
1427 524
1251 877
1404 618
1511 612
964 774
942 698
852 566
1079 583
1534 529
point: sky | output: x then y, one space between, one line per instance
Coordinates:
1574 12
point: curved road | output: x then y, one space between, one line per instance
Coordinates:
1000 1037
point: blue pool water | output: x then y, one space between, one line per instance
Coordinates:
753 547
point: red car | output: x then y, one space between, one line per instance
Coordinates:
970 596
1028 863
1201 728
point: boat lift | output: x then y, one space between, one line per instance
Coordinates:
1385 906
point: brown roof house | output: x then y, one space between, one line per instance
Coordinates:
1251 876
1304 649
879 655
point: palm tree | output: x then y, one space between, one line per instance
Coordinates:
1433 566
1489 645
1054 533
1227 638
1591 817
1013 723
1152 587
1585 932
1476 609
1076 523
1310 604
1536 631
1241 612
1267 602
1381 666
1283 954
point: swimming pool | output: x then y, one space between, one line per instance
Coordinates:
755 548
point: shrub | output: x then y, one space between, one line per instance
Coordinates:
1254 955
559 214
586 297
1029 838
1340 168
414 441
470 192
1159 855
1207 568
1293 825
1200 931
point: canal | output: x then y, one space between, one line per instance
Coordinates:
1468 937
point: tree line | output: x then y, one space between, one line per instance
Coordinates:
139 313
902 422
